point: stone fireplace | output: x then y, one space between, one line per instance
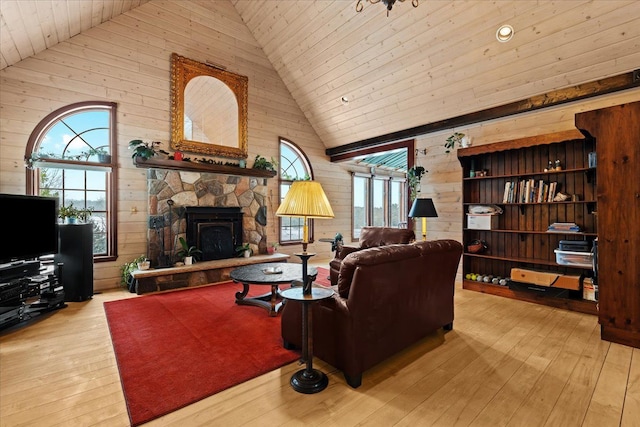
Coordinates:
225 211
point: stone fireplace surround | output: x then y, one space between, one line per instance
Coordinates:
170 192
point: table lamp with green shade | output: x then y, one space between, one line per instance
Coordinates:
423 208
305 199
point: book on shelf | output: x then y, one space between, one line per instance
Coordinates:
507 189
564 227
552 191
529 191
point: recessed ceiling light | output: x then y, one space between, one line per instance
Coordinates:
504 33
344 100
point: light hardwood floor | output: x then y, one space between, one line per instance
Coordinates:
506 362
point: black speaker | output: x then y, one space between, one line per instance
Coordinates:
75 252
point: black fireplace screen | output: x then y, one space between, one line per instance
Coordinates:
216 240
216 231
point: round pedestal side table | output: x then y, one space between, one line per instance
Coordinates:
308 380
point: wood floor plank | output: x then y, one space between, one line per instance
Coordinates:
631 414
464 389
506 362
573 402
607 402
539 403
518 381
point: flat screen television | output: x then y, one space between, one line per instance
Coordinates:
34 221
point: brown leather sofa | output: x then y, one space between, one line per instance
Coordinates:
387 298
369 237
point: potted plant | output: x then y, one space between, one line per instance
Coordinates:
337 242
145 150
244 250
35 157
68 213
84 214
262 163
272 248
143 264
458 139
187 253
126 279
102 154
414 175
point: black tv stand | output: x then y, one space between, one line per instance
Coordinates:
28 289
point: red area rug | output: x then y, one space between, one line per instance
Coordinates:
176 348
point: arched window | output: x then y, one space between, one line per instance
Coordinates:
71 154
294 166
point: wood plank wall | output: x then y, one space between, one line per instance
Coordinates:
126 60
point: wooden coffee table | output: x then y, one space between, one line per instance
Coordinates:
265 274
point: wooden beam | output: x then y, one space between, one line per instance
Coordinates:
549 99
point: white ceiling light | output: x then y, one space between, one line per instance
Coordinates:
504 33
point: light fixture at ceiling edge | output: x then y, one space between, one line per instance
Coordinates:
388 3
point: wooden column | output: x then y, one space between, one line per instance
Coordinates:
617 134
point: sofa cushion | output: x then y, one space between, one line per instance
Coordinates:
380 236
376 255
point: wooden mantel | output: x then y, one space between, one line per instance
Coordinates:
181 165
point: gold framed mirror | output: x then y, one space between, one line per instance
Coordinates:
208 109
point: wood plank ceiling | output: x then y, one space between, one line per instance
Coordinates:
416 66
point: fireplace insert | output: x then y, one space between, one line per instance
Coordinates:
216 231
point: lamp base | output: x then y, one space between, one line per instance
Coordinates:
309 381
306 282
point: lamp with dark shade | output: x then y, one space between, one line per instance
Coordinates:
423 208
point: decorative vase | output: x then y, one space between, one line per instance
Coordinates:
271 250
465 142
188 260
247 253
144 265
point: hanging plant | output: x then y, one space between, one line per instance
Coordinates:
414 175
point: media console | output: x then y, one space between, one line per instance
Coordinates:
28 288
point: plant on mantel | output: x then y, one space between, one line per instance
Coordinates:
262 163
145 150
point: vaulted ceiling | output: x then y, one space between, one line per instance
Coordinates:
413 67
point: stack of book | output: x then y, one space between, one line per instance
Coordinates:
529 191
563 227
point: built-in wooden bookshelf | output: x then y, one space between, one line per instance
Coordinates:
520 238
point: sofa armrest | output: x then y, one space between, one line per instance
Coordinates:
345 250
